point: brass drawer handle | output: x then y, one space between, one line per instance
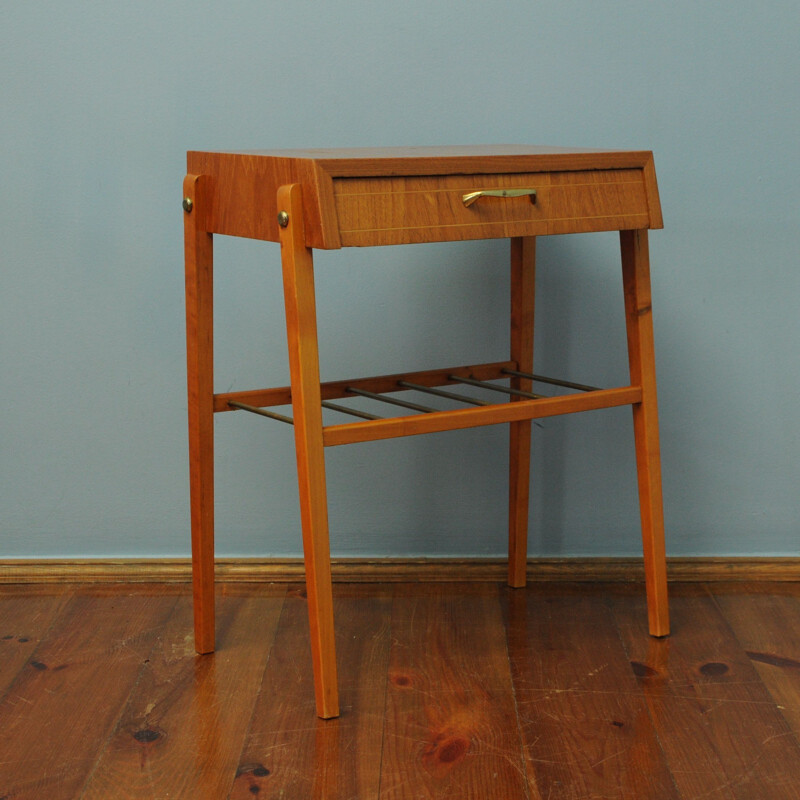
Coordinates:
469 199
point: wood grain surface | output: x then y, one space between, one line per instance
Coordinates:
399 210
763 618
715 718
181 699
450 717
585 726
245 186
70 691
457 690
288 751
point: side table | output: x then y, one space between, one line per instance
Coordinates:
328 199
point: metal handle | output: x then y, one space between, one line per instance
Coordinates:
469 199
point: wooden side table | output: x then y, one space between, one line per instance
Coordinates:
343 198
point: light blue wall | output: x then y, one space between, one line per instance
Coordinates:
99 102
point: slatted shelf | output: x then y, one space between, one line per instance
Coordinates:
522 405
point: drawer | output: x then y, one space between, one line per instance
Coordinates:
404 210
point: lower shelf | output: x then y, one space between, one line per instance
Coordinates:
522 404
513 411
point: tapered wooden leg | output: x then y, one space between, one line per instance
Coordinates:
301 326
638 312
523 275
200 373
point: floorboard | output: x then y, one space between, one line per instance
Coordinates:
585 723
469 691
291 753
720 728
184 725
25 618
63 703
765 620
450 729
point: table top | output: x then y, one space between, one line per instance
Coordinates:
398 195
464 159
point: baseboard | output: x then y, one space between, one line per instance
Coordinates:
374 570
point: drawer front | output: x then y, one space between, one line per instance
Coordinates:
403 210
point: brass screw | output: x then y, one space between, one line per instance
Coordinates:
283 219
188 205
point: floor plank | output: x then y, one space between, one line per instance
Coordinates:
26 615
291 753
718 725
761 616
584 720
69 694
468 691
450 729
182 731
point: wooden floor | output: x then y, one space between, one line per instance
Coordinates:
464 691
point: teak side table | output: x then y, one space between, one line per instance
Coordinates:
329 199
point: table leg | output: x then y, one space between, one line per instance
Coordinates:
523 275
301 326
641 355
200 375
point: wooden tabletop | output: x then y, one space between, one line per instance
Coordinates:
397 195
463 159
